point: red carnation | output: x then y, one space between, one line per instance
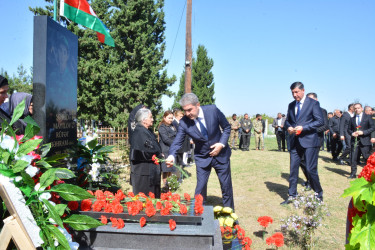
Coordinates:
152 195
183 209
120 223
150 211
176 197
108 208
118 208
86 205
172 224
99 195
246 243
114 222
142 221
73 205
159 205
264 221
187 196
103 220
98 206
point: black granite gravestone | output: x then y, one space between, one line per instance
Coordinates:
55 83
204 235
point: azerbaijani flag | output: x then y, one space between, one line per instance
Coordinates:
80 11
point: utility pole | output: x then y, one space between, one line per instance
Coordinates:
188 52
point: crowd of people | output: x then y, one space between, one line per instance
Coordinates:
240 133
205 127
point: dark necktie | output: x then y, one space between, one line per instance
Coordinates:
203 129
358 120
298 109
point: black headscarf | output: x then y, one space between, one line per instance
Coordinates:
3 81
16 99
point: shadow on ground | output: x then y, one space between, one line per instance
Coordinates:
214 201
339 171
286 177
326 159
280 189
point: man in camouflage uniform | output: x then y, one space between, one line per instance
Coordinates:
246 126
258 127
234 126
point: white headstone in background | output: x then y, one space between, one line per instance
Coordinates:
23 213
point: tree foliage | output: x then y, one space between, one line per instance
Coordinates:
180 93
202 77
112 81
202 83
22 82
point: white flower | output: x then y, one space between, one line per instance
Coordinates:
95 165
52 221
56 243
27 158
8 143
74 245
31 170
45 196
37 186
18 178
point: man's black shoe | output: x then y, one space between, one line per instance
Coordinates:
352 176
287 201
335 159
308 187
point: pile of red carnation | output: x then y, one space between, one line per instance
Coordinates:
368 169
168 203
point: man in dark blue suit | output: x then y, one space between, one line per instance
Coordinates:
210 130
303 119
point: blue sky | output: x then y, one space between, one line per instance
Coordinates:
259 48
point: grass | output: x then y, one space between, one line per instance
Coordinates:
260 183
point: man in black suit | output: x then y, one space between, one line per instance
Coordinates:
320 131
304 117
361 127
334 129
345 137
278 124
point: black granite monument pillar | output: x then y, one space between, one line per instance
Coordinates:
55 83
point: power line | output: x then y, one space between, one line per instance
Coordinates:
178 29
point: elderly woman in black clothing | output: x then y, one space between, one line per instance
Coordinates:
167 133
145 174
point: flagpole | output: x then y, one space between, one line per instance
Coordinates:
55 10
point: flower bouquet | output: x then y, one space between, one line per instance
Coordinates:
361 212
231 232
27 166
89 161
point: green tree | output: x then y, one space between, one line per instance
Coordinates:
112 81
20 82
180 93
202 77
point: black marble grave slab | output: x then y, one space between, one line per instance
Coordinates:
207 235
